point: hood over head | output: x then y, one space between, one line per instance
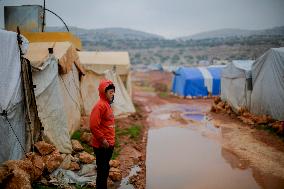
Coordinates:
103 85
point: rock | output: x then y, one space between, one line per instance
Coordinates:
76 145
217 100
4 173
262 119
38 164
115 174
74 166
86 158
44 148
114 163
246 120
53 161
66 162
21 174
20 179
86 137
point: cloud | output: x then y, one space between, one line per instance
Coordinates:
166 17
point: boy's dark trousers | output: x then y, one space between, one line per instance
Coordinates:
103 156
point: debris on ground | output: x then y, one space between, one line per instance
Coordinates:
247 117
115 174
76 146
38 164
44 148
86 158
86 137
114 163
52 168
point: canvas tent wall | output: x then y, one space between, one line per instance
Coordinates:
268 84
236 84
57 91
99 65
11 98
193 82
99 62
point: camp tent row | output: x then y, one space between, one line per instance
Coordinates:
109 65
257 86
58 77
197 81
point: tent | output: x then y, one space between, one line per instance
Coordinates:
236 84
111 65
56 77
199 81
13 122
268 84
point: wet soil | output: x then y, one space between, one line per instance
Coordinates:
189 147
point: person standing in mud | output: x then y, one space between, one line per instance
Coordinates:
102 128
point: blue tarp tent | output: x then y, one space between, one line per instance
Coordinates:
197 81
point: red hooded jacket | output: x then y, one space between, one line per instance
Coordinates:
102 119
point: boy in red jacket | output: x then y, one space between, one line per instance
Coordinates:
102 128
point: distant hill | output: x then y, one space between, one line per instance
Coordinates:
108 33
224 33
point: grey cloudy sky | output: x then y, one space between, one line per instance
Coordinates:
170 18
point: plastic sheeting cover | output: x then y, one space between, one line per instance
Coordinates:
234 88
268 84
193 82
50 105
11 96
89 89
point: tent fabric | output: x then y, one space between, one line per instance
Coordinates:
11 97
196 81
63 51
89 88
122 104
268 84
112 65
208 81
50 105
73 104
99 62
58 84
234 84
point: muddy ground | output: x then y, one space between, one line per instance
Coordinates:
259 152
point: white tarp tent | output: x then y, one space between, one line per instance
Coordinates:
268 84
111 65
235 87
99 62
57 91
11 97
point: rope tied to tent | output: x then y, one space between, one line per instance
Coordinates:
4 114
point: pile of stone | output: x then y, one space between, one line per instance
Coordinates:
37 166
246 117
220 106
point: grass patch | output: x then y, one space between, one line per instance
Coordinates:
163 94
76 135
133 132
87 148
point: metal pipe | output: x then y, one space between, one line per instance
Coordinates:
58 17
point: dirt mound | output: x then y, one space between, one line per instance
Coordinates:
246 117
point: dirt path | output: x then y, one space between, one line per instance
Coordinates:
245 157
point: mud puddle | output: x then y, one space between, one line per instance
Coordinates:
187 157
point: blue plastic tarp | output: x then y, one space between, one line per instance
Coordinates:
191 81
